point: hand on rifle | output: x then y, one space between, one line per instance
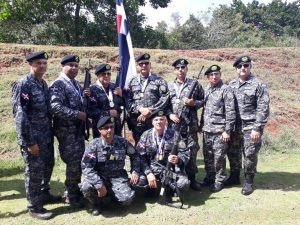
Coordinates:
87 92
145 114
255 136
174 118
134 178
225 137
189 101
173 159
151 180
113 113
33 149
118 91
102 191
82 116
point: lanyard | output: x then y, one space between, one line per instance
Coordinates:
109 95
143 87
73 84
178 88
160 142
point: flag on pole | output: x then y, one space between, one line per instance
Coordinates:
126 57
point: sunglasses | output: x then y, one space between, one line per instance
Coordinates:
143 63
180 67
242 65
108 127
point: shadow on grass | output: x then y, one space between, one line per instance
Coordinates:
11 171
10 214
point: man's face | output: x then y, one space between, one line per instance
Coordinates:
159 123
71 69
180 71
38 66
107 131
214 78
144 67
104 78
243 69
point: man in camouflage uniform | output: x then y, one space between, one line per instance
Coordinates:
252 108
103 167
147 92
33 122
218 122
105 99
156 145
68 116
183 113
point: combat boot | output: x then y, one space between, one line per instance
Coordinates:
208 180
47 198
95 201
248 185
216 187
234 179
40 213
194 185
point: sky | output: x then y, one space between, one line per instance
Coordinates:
184 8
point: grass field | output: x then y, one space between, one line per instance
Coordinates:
276 199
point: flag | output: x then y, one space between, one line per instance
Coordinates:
126 57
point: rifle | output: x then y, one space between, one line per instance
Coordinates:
169 177
184 109
87 83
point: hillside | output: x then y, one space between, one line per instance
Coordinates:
279 67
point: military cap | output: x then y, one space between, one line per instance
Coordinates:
102 68
158 113
145 57
180 62
69 58
37 55
105 120
213 68
242 59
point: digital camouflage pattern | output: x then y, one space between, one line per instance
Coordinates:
218 116
155 96
33 125
103 164
66 102
98 107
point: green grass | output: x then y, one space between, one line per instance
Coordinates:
276 199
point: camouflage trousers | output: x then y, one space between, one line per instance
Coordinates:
118 188
139 128
242 145
71 148
191 167
38 171
214 152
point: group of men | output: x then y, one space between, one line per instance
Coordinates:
163 118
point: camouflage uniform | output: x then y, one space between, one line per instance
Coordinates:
188 119
218 116
66 102
103 164
33 123
99 106
155 96
147 148
252 109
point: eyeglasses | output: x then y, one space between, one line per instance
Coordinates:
180 67
143 63
107 127
242 65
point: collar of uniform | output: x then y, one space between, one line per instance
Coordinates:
140 76
64 76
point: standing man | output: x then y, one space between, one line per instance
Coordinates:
147 92
218 123
252 99
68 116
156 145
105 99
31 110
103 167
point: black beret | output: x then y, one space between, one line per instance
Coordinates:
105 120
180 62
242 59
158 113
143 57
69 58
37 55
213 68
102 68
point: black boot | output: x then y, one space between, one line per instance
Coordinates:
248 185
40 213
195 185
216 187
234 179
47 198
95 202
208 180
